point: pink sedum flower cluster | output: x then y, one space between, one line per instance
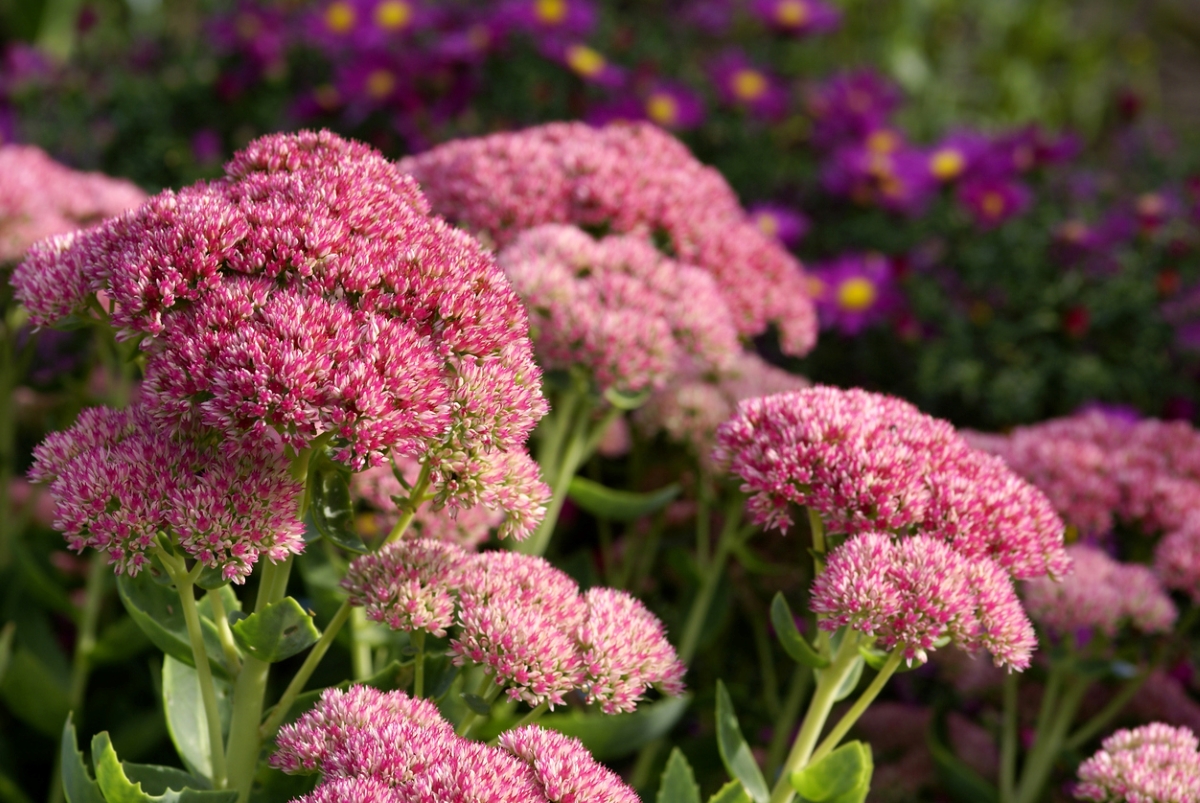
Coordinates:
1151 764
623 178
867 462
935 529
118 479
521 619
377 747
617 307
310 293
40 197
1100 469
913 592
1100 594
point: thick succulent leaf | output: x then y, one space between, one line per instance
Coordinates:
78 786
739 761
607 503
678 783
794 644
186 721
158 612
331 507
843 776
277 632
611 736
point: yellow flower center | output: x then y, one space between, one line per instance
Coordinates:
792 13
992 204
585 61
550 11
883 141
947 164
856 294
393 15
749 84
339 16
767 223
662 108
380 83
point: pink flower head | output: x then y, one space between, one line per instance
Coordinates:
625 651
1177 558
797 16
39 198
624 178
1100 594
857 290
518 619
784 223
467 527
742 84
118 480
618 307
565 770
409 584
317 737
868 462
992 201
1151 764
310 292
911 593
691 407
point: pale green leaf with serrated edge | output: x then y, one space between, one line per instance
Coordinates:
678 783
843 776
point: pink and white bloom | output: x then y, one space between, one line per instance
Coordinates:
1151 764
408 584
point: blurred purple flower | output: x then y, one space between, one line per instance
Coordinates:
956 154
992 200
468 40
335 25
571 19
784 223
8 123
711 16
740 83
855 291
850 106
256 32
1154 210
23 65
375 81
797 16
883 170
624 110
672 105
586 62
206 147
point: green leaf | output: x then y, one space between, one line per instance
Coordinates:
956 777
118 787
159 614
626 401
119 642
850 683
277 632
156 780
607 503
186 720
610 736
876 658
6 641
212 577
678 782
732 792
440 683
789 636
739 761
332 510
476 703
78 786
843 776
32 693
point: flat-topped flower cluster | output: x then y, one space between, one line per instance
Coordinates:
521 619
935 530
1151 764
377 747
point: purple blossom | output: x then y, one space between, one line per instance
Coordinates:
672 105
849 106
586 62
565 19
992 201
883 170
857 291
956 155
742 84
786 224
797 16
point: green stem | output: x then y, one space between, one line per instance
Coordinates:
532 717
860 705
1045 750
1100 721
801 680
703 525
280 711
692 630
636 570
185 586
488 691
418 639
224 634
1049 698
415 498
829 680
245 742
817 527
572 458
362 665
1008 739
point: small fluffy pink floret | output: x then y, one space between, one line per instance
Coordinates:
318 736
1100 594
625 651
1151 764
518 619
564 769
910 593
40 198
1177 558
868 462
408 584
618 307
118 480
628 179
